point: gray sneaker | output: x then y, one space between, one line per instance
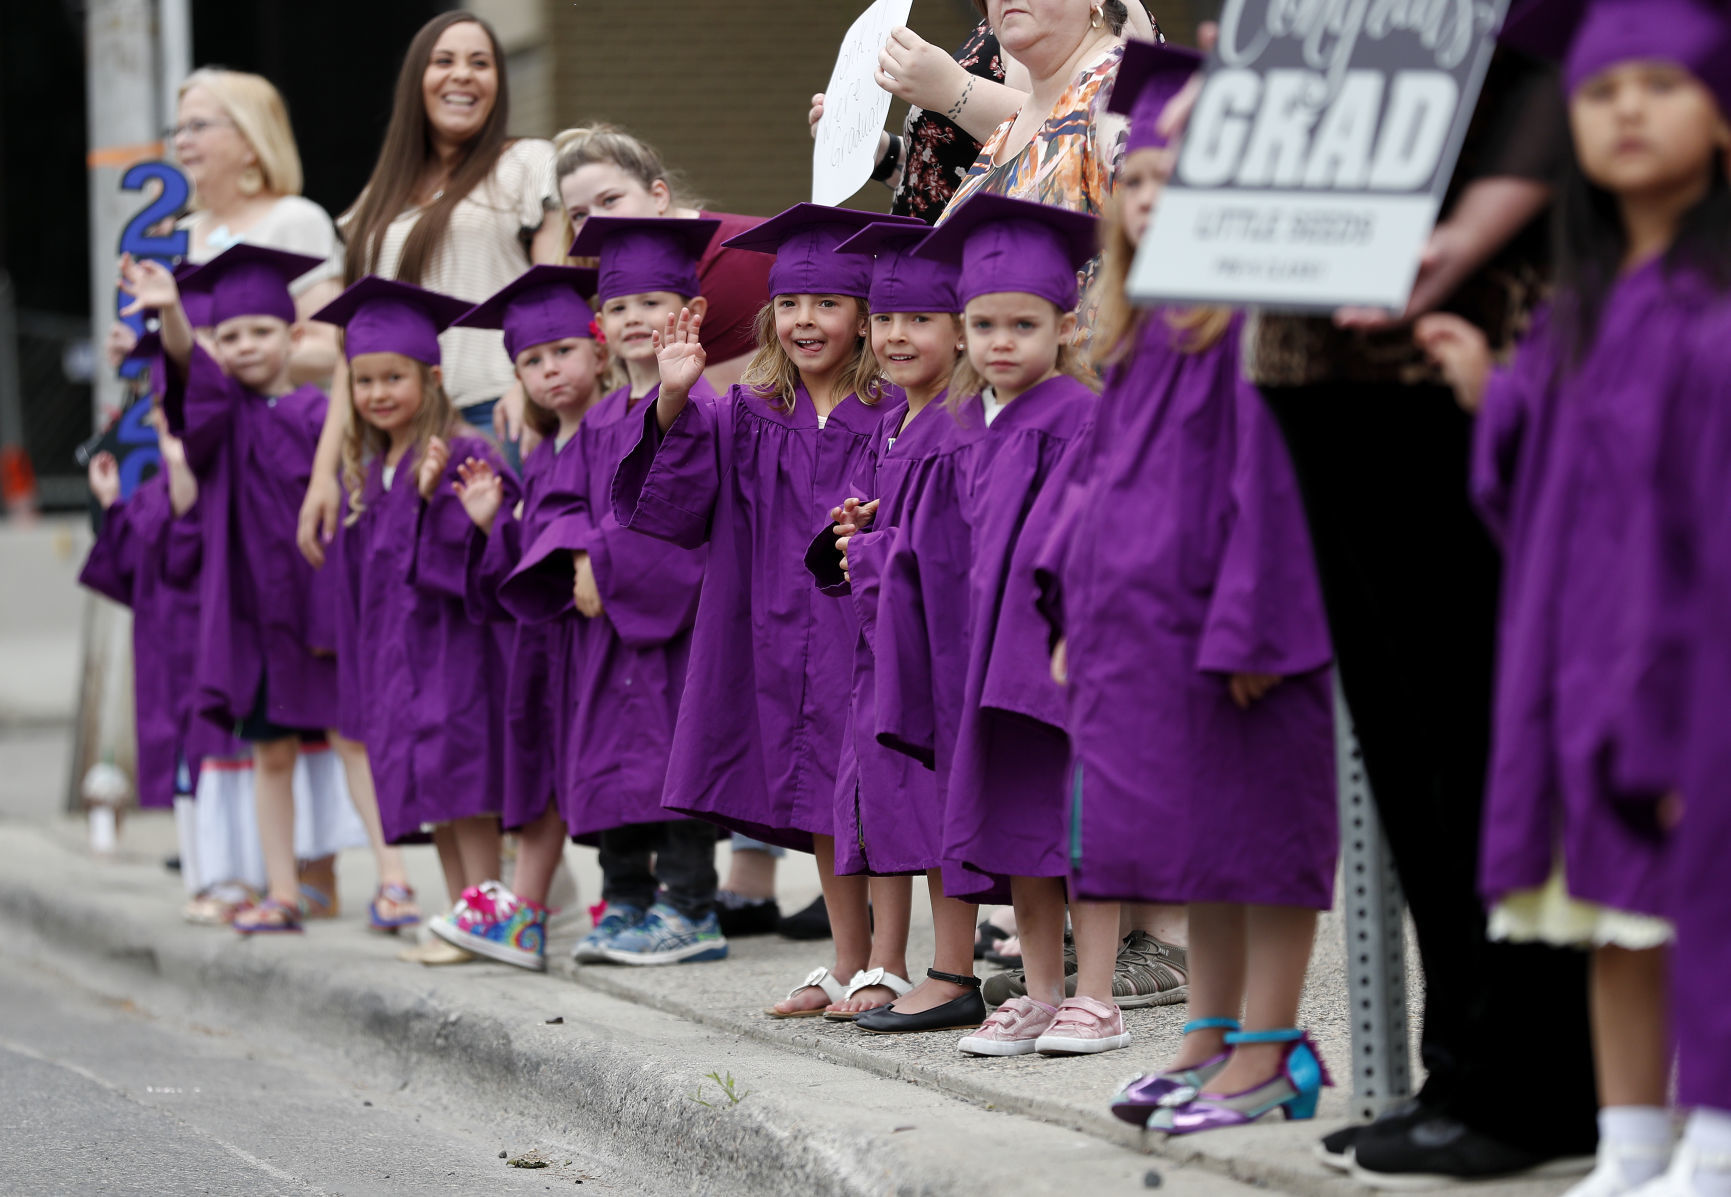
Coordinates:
1148 973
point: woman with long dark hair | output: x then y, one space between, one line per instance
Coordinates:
453 205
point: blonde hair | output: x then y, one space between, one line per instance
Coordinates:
362 443
1118 323
1072 362
585 145
258 111
773 374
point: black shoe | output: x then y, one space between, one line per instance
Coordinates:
1338 1150
810 923
958 1014
1436 1149
740 917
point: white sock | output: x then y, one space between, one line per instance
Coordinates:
1638 1138
1709 1135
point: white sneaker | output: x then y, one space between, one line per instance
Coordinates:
1611 1177
1679 1179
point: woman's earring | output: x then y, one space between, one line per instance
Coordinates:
251 181
1096 17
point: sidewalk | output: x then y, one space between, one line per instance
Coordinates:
831 1109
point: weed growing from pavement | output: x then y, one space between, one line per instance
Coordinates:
729 1090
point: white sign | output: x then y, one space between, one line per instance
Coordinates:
854 107
1318 154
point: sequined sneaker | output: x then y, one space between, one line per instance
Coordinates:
491 921
1013 1029
667 937
614 921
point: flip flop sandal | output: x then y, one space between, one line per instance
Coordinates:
316 904
900 986
435 952
404 914
819 978
217 905
269 917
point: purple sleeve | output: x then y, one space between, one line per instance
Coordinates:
1501 427
667 485
867 554
1266 613
648 587
907 719
491 558
183 551
1049 564
440 562
111 567
200 410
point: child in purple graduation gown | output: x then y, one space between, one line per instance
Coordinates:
1004 808
751 475
1567 440
889 811
627 603
428 683
246 429
548 333
1195 658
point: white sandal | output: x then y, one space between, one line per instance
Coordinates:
819 978
900 986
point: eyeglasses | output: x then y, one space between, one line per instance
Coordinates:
195 128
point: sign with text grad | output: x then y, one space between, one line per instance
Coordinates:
1318 154
854 107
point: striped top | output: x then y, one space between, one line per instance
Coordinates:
486 246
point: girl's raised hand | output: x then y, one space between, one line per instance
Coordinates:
1461 352
104 475
679 353
1247 688
151 285
433 463
481 492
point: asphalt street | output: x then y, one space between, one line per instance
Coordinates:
98 1097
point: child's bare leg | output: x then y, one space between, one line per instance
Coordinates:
478 842
540 847
849 924
450 859
273 764
751 874
1219 958
953 924
359 773
1039 903
1168 924
891 911
1094 926
1279 939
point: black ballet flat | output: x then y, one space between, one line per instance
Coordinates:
958 1014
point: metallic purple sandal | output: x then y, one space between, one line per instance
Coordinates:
1293 1090
1140 1098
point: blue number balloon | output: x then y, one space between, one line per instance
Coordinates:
136 239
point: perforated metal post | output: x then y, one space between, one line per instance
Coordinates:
1375 936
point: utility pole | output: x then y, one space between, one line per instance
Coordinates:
123 126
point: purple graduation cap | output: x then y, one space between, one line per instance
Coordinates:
804 240
1150 75
196 304
1005 244
902 282
544 303
645 253
382 315
247 280
1590 36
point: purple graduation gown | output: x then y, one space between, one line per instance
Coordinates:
147 558
759 734
1563 462
1004 810
253 457
889 816
618 678
428 682
534 726
1176 794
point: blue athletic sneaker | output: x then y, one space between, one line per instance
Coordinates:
667 937
615 920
